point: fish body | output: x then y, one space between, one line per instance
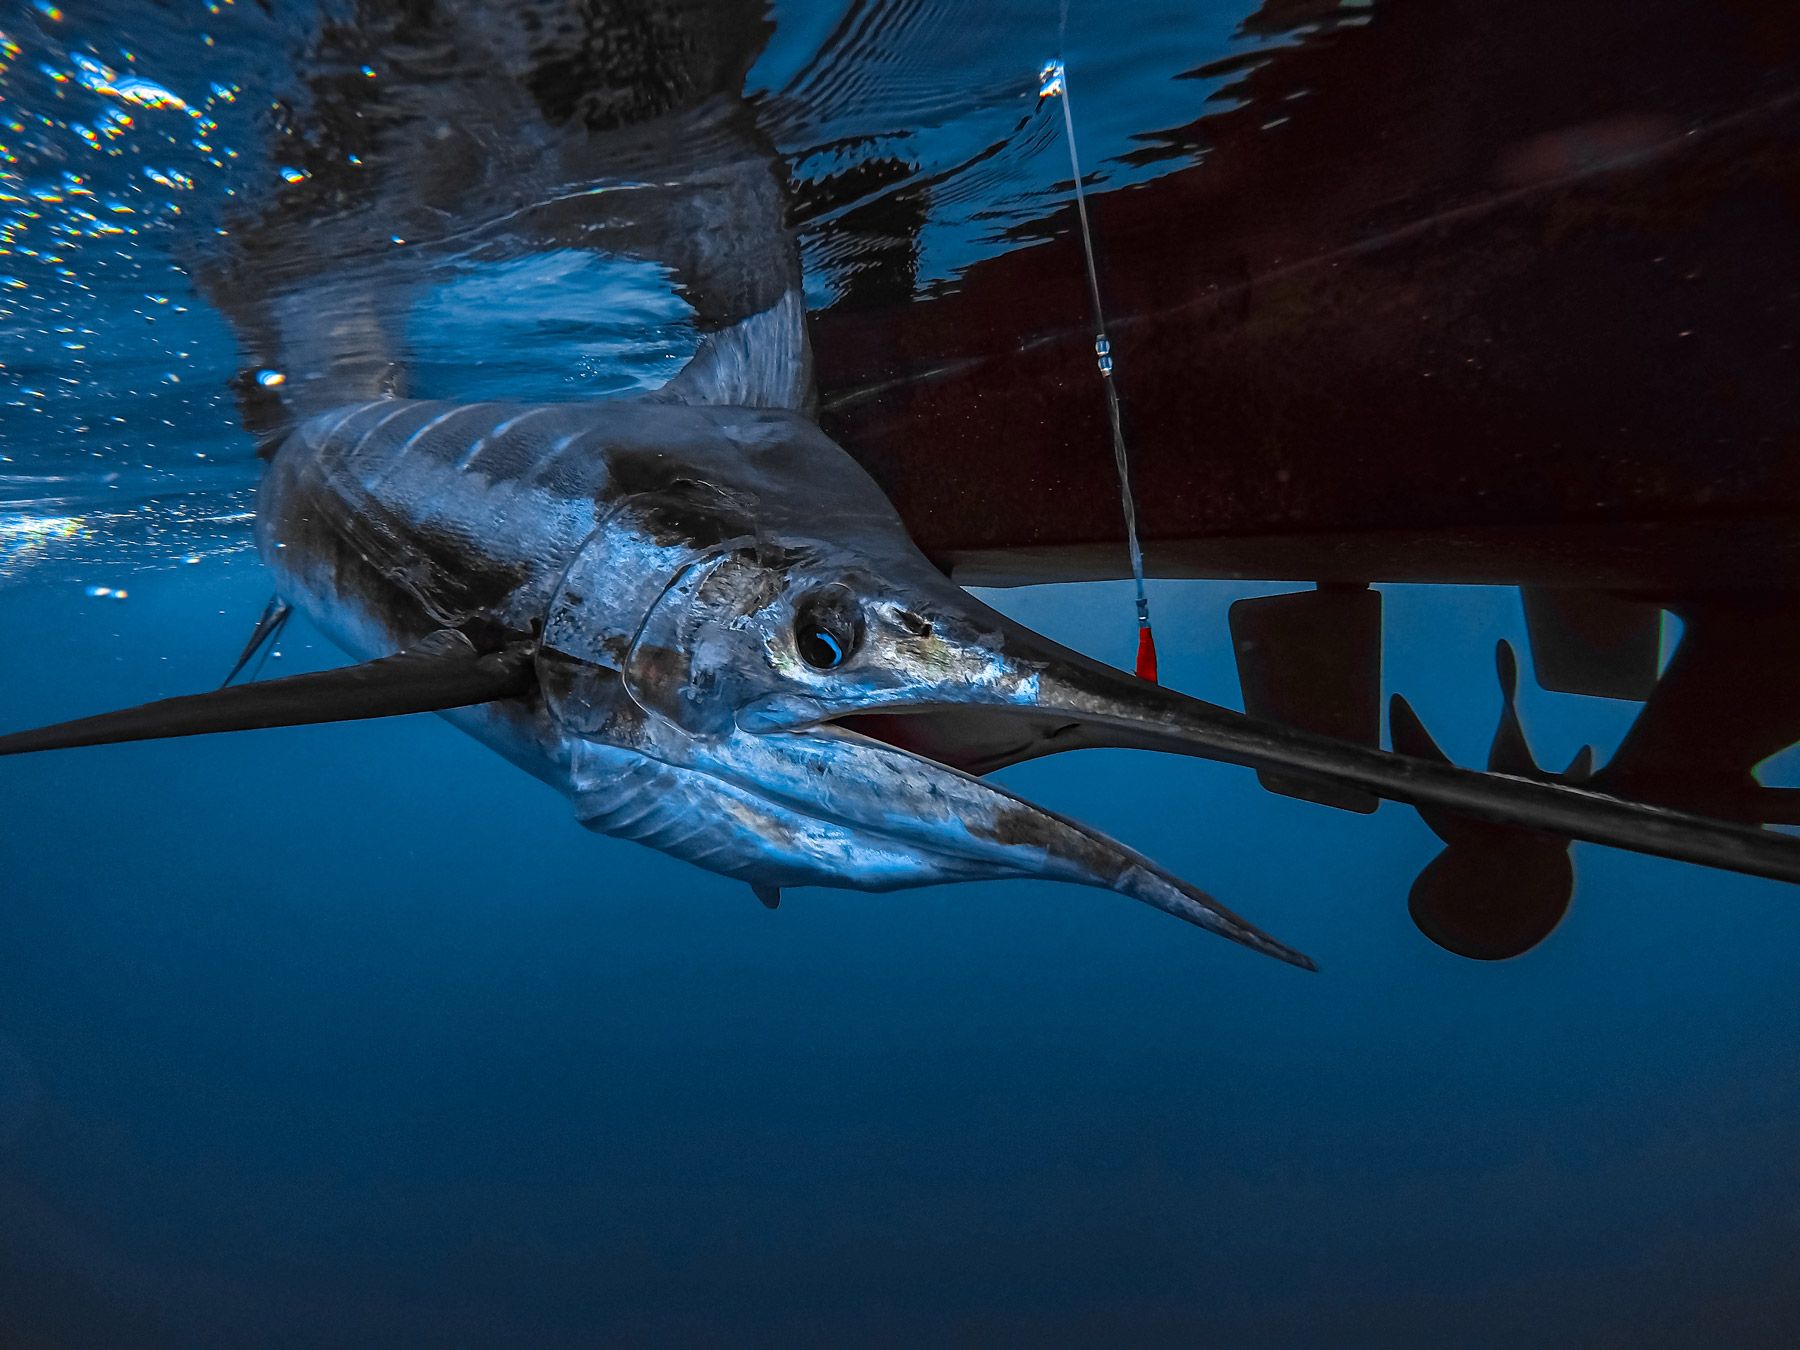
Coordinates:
572 527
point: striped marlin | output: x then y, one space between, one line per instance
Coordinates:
701 621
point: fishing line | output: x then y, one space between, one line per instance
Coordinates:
1053 82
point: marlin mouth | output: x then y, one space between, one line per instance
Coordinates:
975 740
1080 706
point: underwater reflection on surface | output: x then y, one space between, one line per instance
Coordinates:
410 184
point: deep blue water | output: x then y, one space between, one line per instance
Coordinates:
350 1036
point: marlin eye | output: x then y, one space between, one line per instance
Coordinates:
826 629
820 648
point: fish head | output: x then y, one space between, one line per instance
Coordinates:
838 692
717 624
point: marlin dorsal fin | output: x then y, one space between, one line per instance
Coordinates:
764 361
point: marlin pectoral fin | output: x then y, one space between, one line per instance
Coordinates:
442 671
769 895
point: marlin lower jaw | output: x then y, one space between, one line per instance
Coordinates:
949 818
